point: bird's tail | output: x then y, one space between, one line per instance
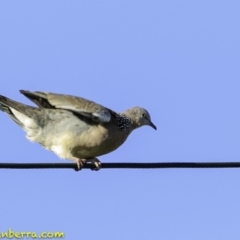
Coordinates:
18 112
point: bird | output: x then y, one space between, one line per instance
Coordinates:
72 127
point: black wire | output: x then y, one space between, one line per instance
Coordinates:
122 165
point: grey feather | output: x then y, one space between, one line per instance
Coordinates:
81 106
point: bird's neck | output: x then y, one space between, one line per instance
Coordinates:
131 116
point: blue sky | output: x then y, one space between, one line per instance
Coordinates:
178 59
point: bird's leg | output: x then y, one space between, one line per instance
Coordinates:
80 162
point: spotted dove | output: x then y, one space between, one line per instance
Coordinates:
73 127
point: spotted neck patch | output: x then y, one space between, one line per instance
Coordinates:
123 122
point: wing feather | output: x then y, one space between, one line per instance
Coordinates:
79 105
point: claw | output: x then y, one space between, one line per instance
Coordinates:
80 163
96 164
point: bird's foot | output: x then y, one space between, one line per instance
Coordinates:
80 163
96 164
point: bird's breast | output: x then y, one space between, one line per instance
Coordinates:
97 140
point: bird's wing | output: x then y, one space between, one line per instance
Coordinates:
77 105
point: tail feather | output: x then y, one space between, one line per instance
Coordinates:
10 114
18 112
5 104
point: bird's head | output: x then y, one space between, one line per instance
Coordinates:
140 117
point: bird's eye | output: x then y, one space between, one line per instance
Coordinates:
144 115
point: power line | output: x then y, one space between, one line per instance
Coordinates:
123 165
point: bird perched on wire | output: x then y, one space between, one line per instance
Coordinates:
73 127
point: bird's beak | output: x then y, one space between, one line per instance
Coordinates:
152 125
